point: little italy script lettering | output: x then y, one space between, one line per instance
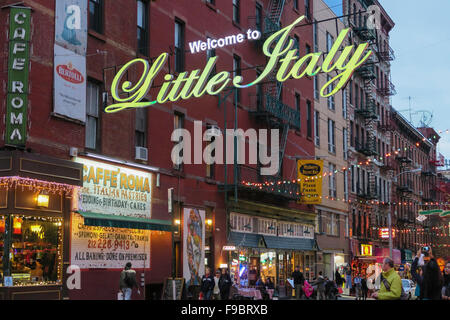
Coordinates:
198 82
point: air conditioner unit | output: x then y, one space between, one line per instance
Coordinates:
73 152
141 153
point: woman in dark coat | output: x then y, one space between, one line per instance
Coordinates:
225 284
431 282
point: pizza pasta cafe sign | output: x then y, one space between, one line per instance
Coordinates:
281 58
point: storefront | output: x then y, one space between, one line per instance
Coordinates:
267 247
111 224
35 195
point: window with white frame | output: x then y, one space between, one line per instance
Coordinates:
344 103
92 115
331 101
335 224
332 181
241 222
345 144
346 185
267 226
331 136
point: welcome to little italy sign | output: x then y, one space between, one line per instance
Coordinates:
198 82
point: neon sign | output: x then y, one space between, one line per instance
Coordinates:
198 82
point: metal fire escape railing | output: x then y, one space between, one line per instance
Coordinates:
387 89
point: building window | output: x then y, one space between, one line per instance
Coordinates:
211 53
295 4
213 2
297 107
307 9
178 124
316 128
141 127
346 227
352 173
316 36
331 136
96 15
92 115
35 250
179 46
332 181
345 144
344 104
237 72
330 41
308 119
297 44
335 224
259 17
316 88
210 168
142 27
236 11
346 185
331 103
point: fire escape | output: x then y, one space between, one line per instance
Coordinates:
269 108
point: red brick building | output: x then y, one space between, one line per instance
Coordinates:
64 151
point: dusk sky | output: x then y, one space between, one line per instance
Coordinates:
420 40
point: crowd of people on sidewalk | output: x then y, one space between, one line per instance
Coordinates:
431 283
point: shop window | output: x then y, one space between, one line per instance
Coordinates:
236 11
2 246
35 250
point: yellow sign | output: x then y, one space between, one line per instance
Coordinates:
366 250
309 175
282 57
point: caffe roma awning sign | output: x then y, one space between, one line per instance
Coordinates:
197 82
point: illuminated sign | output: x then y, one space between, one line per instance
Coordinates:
309 175
198 82
366 250
114 190
384 233
18 70
228 248
198 46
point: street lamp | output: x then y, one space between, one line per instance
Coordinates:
390 214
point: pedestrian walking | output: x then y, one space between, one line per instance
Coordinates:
432 281
320 283
446 287
225 284
364 288
348 280
338 278
299 280
127 282
391 283
207 284
269 283
216 289
358 287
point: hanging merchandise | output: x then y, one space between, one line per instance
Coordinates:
17 226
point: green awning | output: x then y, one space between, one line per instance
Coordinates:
108 220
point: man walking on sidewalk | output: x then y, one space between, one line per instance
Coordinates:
298 282
128 282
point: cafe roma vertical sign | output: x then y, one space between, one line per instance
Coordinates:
18 69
